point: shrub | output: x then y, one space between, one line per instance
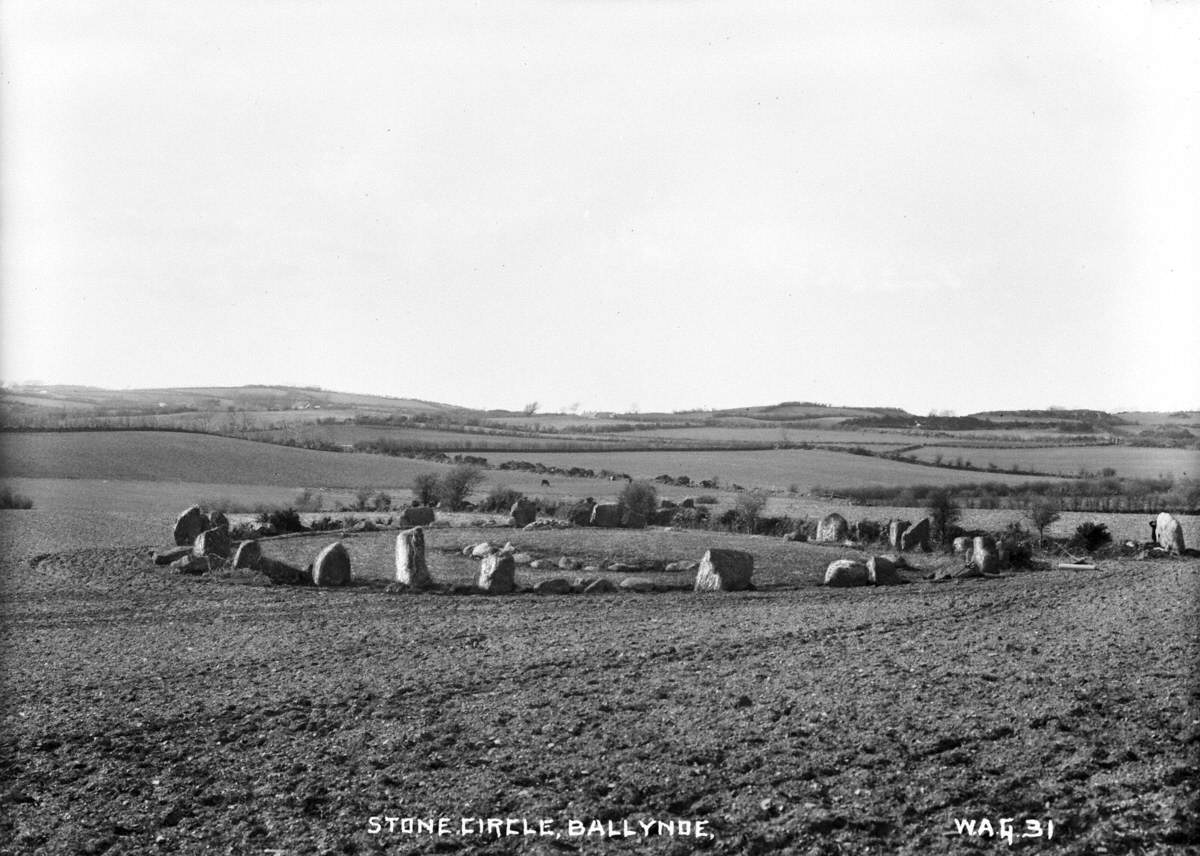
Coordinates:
690 518
11 499
324 524
748 507
1043 513
381 501
1090 536
281 520
425 488
943 513
500 499
547 507
639 497
307 500
362 500
456 485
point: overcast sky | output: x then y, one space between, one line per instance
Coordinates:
952 205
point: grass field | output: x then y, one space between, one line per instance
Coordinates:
1128 461
776 469
767 433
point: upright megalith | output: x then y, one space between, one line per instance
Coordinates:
332 566
724 570
411 567
884 571
1168 533
497 574
984 555
213 542
896 532
606 514
218 520
845 573
189 526
524 512
417 515
916 536
833 527
247 555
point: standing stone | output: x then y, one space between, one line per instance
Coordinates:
633 520
332 566
247 555
963 544
664 516
833 527
416 515
189 526
896 532
411 568
213 542
724 570
218 520
483 548
845 573
882 571
1169 533
984 555
524 512
580 514
688 502
916 536
607 514
497 574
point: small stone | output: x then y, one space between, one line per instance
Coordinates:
845 573
724 570
332 566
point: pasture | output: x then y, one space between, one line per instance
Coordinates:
1128 461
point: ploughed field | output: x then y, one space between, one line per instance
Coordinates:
146 712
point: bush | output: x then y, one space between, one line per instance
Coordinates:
425 488
690 518
10 499
943 513
1090 536
500 499
307 500
639 497
281 520
748 507
324 524
456 485
1042 514
547 507
381 501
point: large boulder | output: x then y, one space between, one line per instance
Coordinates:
411 567
635 585
168 555
847 572
247 555
524 512
497 574
833 527
1168 533
896 532
916 536
416 515
213 542
607 514
332 566
985 558
882 571
724 570
189 526
555 586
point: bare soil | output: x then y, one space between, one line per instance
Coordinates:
146 712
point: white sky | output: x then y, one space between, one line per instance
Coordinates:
959 205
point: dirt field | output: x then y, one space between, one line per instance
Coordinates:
150 713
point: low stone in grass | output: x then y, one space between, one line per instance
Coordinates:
497 574
192 564
190 524
606 514
600 586
482 549
411 566
682 565
1169 534
522 558
247 555
833 527
213 542
566 563
281 573
417 515
167 556
543 565
916 536
524 512
724 570
635 585
332 566
845 573
984 555
882 571
554 586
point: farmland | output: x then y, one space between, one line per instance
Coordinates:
1129 461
